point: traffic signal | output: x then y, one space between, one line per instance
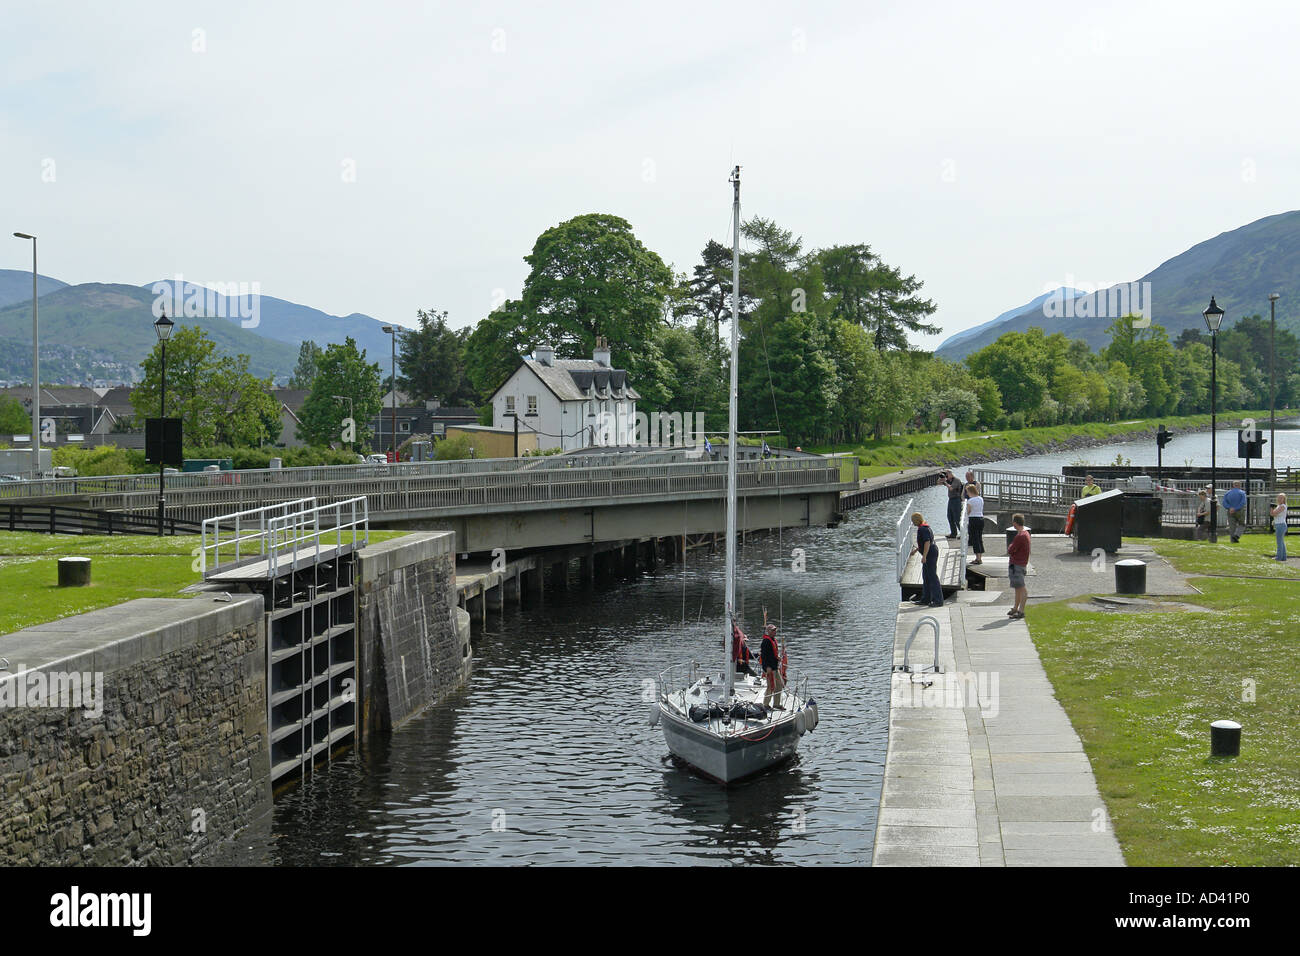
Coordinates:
1163 436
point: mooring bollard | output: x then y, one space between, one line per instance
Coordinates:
1225 738
1130 576
74 572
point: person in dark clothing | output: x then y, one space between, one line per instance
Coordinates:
955 491
769 658
931 591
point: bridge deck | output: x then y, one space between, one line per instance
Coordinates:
949 569
259 569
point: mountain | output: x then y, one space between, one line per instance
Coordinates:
16 286
279 319
951 344
99 333
1239 268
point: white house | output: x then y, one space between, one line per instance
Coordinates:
565 401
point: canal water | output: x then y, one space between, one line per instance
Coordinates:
546 757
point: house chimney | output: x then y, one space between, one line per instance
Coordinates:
600 354
544 354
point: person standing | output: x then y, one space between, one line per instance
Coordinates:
1235 503
1090 487
975 521
1017 564
769 658
931 590
1278 514
955 489
1202 515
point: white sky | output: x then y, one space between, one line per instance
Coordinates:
994 149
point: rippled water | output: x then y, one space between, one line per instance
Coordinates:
550 739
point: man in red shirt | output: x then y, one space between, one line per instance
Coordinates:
1017 563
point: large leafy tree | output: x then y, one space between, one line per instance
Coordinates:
218 400
590 276
875 295
432 359
341 371
13 417
494 347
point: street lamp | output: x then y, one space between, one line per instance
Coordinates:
1272 385
36 370
1213 319
392 387
163 326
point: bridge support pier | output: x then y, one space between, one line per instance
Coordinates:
494 597
560 575
652 554
533 585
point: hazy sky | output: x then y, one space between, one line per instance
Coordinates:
994 150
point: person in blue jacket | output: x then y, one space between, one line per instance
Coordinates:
1235 503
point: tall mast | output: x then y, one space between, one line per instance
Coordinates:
728 667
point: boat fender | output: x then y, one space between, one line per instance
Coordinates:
799 723
812 714
654 714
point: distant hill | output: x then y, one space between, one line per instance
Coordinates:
16 286
98 333
1240 268
954 345
290 322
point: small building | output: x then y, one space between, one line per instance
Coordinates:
488 441
564 401
431 419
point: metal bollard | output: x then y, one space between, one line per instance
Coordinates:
1225 738
1130 576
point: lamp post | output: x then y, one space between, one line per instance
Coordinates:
392 387
1213 319
36 369
163 326
1272 386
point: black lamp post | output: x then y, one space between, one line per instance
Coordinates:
1272 386
163 326
1213 319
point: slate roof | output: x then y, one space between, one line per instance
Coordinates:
576 380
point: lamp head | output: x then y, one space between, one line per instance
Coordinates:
1273 297
1213 316
163 326
23 235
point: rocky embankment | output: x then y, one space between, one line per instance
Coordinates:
1051 447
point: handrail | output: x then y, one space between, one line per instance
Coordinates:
905 668
240 519
904 536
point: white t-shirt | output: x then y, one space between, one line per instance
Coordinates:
1280 518
976 505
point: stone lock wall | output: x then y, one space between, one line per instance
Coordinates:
176 763
413 641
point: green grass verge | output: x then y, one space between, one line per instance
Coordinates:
921 448
1141 690
124 567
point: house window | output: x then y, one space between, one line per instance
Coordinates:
532 404
404 426
510 404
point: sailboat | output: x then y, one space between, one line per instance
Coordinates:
728 726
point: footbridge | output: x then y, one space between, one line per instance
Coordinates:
508 503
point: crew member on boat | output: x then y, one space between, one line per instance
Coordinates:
740 655
769 658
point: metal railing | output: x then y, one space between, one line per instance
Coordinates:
246 533
463 487
679 678
300 532
904 538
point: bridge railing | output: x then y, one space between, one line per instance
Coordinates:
904 538
407 488
243 534
281 531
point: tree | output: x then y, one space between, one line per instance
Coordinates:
432 359
590 276
710 286
305 371
342 370
493 349
1014 363
214 395
14 418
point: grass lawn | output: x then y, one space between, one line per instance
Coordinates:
123 568
1142 689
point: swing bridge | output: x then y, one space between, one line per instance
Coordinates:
572 500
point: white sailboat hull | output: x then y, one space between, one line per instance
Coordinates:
734 757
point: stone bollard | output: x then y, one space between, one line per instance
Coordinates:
1225 738
74 572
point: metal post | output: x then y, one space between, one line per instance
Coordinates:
1214 406
515 416
393 389
1272 390
162 464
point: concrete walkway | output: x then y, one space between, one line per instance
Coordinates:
984 767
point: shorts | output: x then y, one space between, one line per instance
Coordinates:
1017 574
